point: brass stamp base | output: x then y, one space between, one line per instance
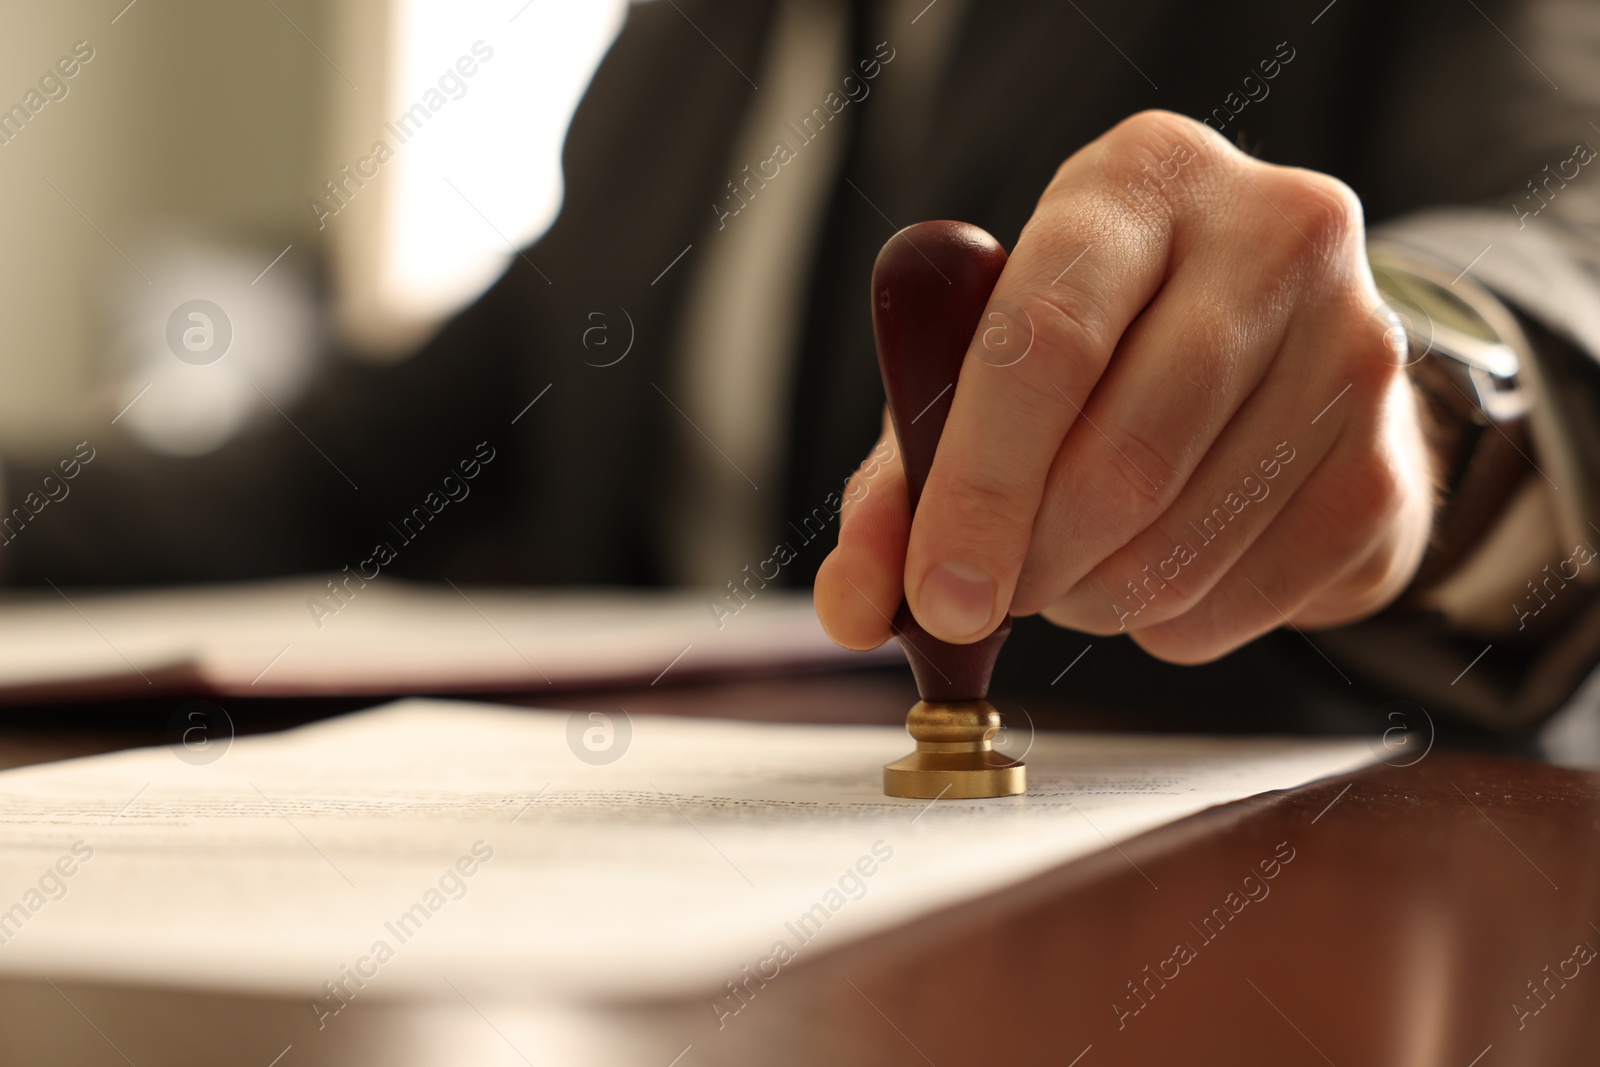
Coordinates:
954 759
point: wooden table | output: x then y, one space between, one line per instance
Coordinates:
1445 913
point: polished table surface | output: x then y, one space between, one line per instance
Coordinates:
1440 908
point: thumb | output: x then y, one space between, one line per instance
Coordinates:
860 585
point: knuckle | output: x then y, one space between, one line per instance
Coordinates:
1154 129
1068 321
1068 345
1156 156
1325 211
1207 352
1181 595
1136 476
987 503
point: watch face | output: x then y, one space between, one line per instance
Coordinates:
1441 321
1444 307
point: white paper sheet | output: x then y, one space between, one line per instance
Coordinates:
295 637
286 863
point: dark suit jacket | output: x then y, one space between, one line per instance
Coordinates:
1420 106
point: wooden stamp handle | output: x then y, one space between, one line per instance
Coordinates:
930 286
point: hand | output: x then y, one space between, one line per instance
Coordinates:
1210 432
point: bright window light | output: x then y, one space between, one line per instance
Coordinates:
477 167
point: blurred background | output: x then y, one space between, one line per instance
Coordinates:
337 175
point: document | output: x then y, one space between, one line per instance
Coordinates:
318 636
429 849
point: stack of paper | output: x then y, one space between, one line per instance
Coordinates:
299 636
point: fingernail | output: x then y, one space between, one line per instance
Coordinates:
957 600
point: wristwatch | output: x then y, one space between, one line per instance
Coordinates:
1466 355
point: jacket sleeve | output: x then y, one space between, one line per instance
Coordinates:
1496 118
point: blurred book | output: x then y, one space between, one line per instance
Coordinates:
310 636
433 882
